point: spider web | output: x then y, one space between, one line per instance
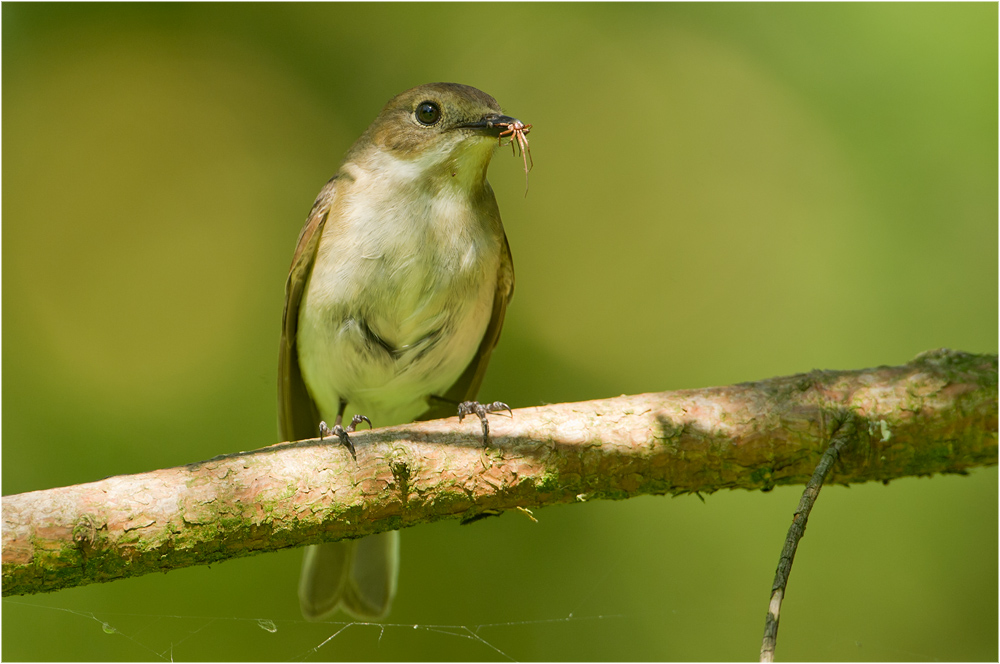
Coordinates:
163 637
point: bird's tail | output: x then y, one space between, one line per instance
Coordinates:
358 576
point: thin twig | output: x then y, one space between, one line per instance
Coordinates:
844 434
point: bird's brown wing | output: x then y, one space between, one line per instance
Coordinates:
298 417
467 385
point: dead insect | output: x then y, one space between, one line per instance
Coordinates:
517 131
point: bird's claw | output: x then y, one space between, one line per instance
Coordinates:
480 410
341 432
356 420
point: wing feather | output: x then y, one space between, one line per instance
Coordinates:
298 416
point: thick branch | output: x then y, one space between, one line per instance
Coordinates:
937 414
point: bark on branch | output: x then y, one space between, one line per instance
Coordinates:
937 414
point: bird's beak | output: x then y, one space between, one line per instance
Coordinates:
493 124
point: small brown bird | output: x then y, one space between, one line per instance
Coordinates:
394 302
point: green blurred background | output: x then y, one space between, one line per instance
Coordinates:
721 193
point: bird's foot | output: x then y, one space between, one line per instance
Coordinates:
474 407
341 432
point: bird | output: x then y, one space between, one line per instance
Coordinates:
394 302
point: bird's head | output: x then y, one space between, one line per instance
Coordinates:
445 132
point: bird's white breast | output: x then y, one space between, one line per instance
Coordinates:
399 297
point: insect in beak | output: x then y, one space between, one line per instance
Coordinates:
518 131
515 131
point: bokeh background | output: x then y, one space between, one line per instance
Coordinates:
721 193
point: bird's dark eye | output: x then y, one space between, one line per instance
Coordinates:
428 113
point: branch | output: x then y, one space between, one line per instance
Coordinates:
937 414
844 434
